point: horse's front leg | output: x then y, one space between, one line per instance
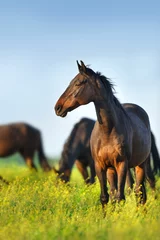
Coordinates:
121 168
112 180
101 174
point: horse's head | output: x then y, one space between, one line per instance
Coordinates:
79 92
63 175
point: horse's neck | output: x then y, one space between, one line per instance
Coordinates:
106 115
69 151
69 158
66 163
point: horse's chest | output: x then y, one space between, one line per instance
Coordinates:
106 153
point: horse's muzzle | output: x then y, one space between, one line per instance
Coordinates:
59 111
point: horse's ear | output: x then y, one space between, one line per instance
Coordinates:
79 67
84 69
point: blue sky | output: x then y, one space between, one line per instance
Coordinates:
40 42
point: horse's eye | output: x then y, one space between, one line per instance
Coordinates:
79 83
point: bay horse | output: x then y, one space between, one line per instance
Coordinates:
24 139
121 137
76 150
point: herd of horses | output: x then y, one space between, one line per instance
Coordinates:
120 139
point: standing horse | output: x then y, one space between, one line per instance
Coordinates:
76 150
121 137
24 139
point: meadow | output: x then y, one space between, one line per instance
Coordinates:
36 206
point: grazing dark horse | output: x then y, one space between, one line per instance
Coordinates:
121 137
24 139
76 150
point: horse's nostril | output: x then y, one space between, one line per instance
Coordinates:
58 108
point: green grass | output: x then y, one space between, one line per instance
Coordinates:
35 206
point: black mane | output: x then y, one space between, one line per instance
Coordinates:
107 82
109 86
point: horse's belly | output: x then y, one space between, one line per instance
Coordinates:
140 152
141 140
137 161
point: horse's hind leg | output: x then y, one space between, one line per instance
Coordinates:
83 170
140 190
30 164
28 159
44 164
129 181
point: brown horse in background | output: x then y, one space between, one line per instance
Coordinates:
24 139
121 137
76 150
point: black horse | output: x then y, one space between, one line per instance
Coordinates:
77 150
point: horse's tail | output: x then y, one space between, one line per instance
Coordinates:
155 155
42 158
3 180
149 173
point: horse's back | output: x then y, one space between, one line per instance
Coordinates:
14 136
137 111
80 134
85 129
17 129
